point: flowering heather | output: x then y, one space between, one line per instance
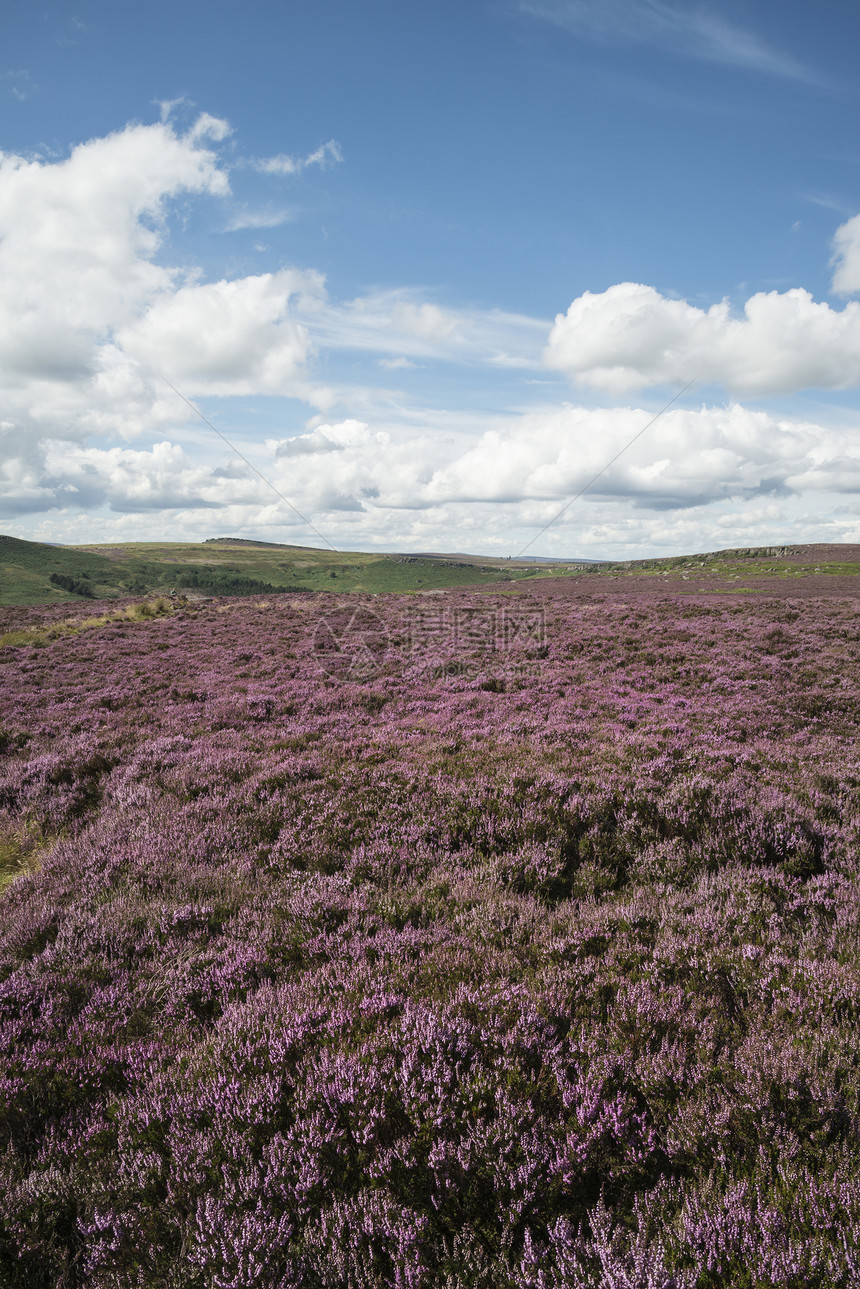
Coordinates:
498 952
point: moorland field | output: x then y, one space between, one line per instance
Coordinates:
502 936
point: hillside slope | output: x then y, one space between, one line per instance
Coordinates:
229 566
236 567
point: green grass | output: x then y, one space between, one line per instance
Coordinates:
828 568
729 566
26 568
19 854
147 568
139 568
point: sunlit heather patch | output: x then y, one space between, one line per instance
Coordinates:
523 961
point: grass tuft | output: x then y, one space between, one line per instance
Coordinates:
19 855
39 636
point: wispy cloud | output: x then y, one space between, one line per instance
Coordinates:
258 219
401 325
282 164
167 106
396 364
828 203
692 31
18 83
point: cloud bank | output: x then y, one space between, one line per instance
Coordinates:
521 466
91 318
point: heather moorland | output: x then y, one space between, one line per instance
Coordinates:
475 939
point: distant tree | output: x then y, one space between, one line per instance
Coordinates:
230 583
73 584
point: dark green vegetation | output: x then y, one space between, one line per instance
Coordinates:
75 585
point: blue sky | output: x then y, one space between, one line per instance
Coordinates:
430 267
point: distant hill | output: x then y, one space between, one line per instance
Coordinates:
36 573
26 569
435 555
505 560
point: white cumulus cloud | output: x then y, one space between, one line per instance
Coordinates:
688 457
632 336
78 239
534 461
228 337
91 316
